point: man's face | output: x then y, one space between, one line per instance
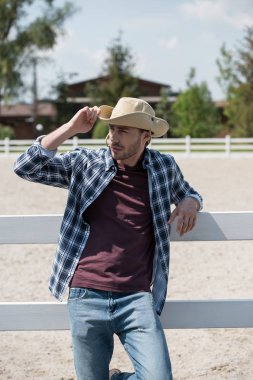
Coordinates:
127 143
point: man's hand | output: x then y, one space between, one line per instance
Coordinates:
84 119
186 211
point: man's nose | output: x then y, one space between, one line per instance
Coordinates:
114 136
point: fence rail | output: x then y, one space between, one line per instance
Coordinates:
187 146
177 314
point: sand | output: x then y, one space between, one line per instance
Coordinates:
198 271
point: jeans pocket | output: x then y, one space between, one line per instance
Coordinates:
76 294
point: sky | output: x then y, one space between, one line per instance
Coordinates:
165 37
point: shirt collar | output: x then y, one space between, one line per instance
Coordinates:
147 158
109 162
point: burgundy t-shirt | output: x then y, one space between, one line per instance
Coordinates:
118 255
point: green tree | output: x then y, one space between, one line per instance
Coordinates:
239 110
60 91
227 77
117 79
194 111
236 80
22 38
163 108
118 67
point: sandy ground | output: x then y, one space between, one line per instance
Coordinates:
198 271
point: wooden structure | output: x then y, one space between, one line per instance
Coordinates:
188 147
20 118
181 314
150 90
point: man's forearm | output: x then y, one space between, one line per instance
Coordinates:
54 139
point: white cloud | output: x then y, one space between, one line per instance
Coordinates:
169 43
203 9
235 13
240 20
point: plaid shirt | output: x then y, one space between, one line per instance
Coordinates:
86 173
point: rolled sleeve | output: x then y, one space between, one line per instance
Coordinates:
43 151
198 199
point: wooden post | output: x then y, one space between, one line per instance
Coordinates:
188 146
7 146
228 145
75 142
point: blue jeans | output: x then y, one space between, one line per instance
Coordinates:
95 316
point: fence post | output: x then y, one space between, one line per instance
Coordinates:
227 145
188 146
7 146
75 142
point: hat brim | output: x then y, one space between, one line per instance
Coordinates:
140 120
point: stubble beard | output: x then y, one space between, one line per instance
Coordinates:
126 154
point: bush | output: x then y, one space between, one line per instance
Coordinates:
6 132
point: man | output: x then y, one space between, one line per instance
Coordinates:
113 250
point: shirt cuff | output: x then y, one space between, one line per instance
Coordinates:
198 199
44 151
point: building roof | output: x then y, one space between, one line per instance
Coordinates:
26 110
147 87
106 78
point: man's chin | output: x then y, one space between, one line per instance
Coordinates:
117 154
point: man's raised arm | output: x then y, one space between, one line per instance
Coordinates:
81 122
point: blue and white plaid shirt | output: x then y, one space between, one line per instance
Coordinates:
86 173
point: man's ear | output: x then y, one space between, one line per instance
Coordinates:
148 137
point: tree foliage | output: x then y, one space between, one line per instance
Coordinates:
21 38
119 68
236 80
6 131
61 92
194 111
164 107
100 131
239 110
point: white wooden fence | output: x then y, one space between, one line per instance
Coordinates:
187 146
177 314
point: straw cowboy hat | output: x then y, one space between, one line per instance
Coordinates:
133 112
